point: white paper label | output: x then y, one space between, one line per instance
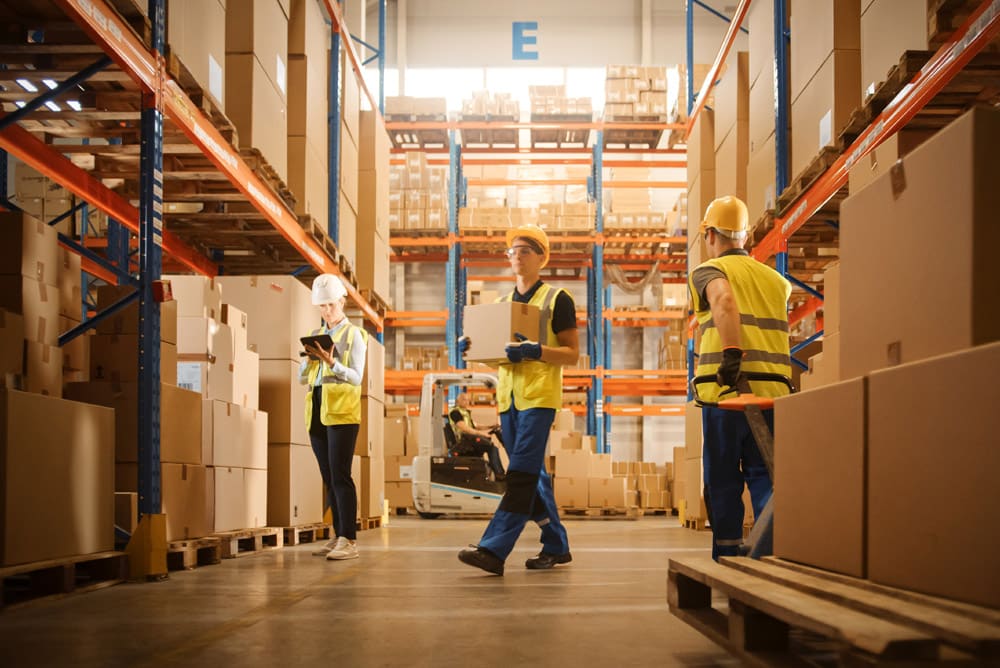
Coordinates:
215 86
280 71
406 472
189 376
826 129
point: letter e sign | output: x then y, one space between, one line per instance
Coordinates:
523 39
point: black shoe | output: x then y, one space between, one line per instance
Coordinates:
480 558
544 561
499 477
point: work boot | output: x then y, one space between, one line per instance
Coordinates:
544 561
480 558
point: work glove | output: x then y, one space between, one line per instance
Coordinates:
463 344
729 369
523 349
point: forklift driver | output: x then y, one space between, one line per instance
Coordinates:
472 440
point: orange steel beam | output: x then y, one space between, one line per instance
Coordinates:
978 31
645 184
720 58
339 25
539 150
528 125
804 310
45 159
640 410
146 68
487 278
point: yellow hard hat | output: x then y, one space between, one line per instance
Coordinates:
534 233
727 214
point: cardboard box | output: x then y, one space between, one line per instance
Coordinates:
294 485
831 298
374 145
394 437
347 242
565 440
490 327
373 262
399 467
196 296
819 27
227 488
732 95
399 494
37 302
76 443
11 342
760 23
351 98
30 248
762 121
308 81
761 176
565 420
127 510
184 500
573 463
257 109
881 158
116 357
888 28
951 451
820 511
309 180
246 379
308 32
257 28
255 484
692 431
571 492
349 167
373 379
879 332
279 310
221 435
43 369
606 493
370 436
371 491
126 321
69 281
196 33
600 465
824 107
731 160
253 435
693 488
701 145
180 425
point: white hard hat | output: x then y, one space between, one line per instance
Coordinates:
327 289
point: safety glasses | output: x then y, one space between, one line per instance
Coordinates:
519 251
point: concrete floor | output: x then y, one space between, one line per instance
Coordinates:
407 601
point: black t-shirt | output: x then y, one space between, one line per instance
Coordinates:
563 310
456 417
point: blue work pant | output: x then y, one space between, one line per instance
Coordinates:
529 488
333 446
730 459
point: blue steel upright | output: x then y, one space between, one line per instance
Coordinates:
381 57
333 142
150 256
454 290
781 110
601 360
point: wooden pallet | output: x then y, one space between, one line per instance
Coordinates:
620 138
189 554
781 613
346 270
415 139
266 172
506 138
376 302
560 137
320 234
59 577
945 16
601 513
244 542
182 75
367 523
695 523
306 533
827 156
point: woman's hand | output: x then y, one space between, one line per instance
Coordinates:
316 352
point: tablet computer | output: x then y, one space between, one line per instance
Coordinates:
323 340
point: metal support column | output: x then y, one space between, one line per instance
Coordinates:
381 57
150 257
453 328
333 132
595 406
689 17
781 111
4 196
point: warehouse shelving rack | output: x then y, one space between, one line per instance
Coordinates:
583 250
138 65
813 203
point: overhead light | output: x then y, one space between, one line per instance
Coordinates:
53 106
19 104
27 85
51 83
74 105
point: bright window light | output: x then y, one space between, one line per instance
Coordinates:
19 104
53 106
27 85
586 82
51 83
74 105
454 84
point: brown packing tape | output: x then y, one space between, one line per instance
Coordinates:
43 293
898 179
184 472
41 328
40 272
253 281
45 354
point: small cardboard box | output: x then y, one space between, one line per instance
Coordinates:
565 440
490 327
571 492
573 463
294 485
399 493
607 493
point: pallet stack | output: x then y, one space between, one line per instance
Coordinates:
701 182
372 264
635 92
582 478
731 137
400 448
418 195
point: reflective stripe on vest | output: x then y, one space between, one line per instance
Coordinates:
341 402
533 383
762 298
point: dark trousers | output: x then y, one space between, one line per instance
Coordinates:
333 446
481 445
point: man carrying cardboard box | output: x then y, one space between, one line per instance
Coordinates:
742 310
529 393
472 439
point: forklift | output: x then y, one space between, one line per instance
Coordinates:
445 482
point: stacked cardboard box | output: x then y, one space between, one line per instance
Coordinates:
635 92
371 438
692 472
400 448
875 418
426 108
372 265
424 358
732 143
552 101
826 79
418 195
256 81
196 36
350 136
42 198
485 104
308 81
888 28
581 477
701 181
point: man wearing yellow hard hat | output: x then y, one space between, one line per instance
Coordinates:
742 310
529 393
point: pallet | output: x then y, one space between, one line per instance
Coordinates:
367 523
505 138
244 542
59 577
781 613
346 270
189 554
319 234
804 179
402 510
601 513
376 302
695 524
560 137
263 169
945 16
619 138
306 533
418 139
182 75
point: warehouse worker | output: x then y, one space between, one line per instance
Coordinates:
333 410
742 310
529 392
472 439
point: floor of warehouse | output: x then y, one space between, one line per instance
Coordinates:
407 601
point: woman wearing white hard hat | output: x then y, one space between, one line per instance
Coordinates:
333 409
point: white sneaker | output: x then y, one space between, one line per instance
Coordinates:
344 549
325 548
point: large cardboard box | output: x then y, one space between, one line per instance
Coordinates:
11 342
374 145
607 492
572 463
254 434
65 506
820 455
221 434
294 485
732 98
39 304
309 180
347 240
373 379
760 23
257 109
258 28
571 492
373 262
399 494
951 452
600 465
116 357
731 162
399 467
307 111
227 488
831 299
701 145
126 321
762 120
817 28
30 248
692 432
490 327
565 440
888 28
284 399
824 107
43 369
370 436
255 484
373 198
349 168
761 177
371 492
246 379
694 486
394 430
882 232
183 500
881 158
279 310
350 109
196 297
308 32
196 33
70 285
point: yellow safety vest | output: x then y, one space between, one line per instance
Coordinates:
762 298
341 402
466 417
533 383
